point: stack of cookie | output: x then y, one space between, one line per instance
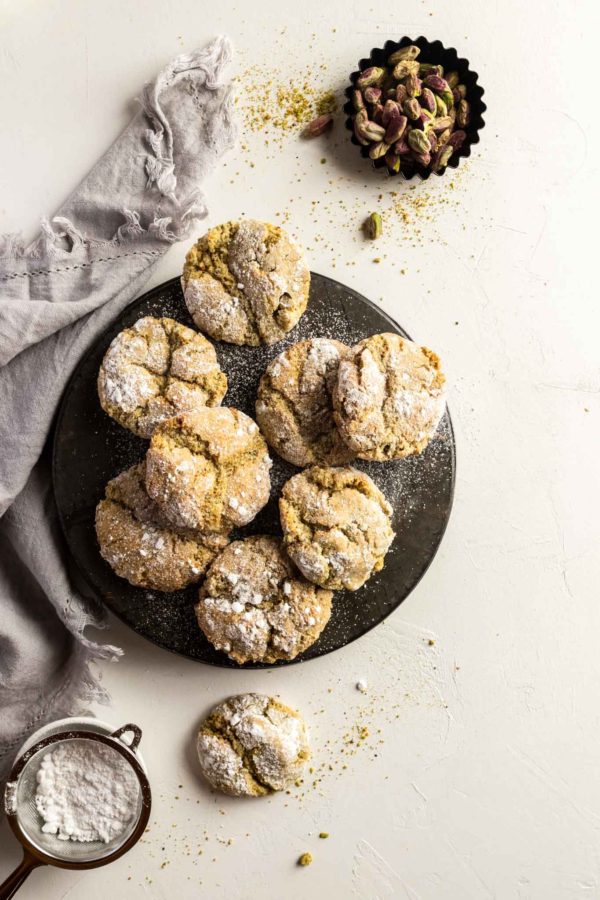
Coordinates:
166 523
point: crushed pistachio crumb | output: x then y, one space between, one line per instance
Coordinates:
280 105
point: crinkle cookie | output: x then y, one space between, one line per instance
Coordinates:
252 745
389 397
256 607
336 525
157 369
246 283
209 470
294 408
139 544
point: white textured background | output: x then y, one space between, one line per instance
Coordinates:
480 777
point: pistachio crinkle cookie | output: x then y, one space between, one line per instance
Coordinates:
389 397
209 470
157 369
245 282
141 545
252 745
294 408
256 607
336 525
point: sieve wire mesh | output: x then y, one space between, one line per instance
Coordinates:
30 821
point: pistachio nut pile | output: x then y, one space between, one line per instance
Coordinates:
410 113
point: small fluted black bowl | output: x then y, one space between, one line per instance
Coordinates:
431 52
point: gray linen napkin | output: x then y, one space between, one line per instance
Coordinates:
56 296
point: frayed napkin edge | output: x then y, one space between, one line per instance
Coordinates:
59 237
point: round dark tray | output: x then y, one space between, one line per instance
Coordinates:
90 448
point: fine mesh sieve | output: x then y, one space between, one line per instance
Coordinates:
44 848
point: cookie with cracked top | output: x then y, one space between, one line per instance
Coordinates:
389 397
209 470
294 407
336 525
141 545
245 282
255 606
157 369
251 745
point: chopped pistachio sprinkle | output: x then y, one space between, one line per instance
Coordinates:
274 105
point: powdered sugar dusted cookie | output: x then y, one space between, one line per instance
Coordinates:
209 470
336 525
255 605
252 745
294 408
157 369
141 545
389 397
246 283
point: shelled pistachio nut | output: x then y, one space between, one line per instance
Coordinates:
436 83
319 125
391 109
448 98
396 128
413 85
417 141
441 159
443 137
411 108
441 123
440 107
373 131
401 93
411 51
360 120
378 149
427 100
463 113
372 75
430 69
373 226
372 94
406 67
358 101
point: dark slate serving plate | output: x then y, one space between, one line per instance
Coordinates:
89 449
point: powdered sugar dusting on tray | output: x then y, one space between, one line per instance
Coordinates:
419 488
